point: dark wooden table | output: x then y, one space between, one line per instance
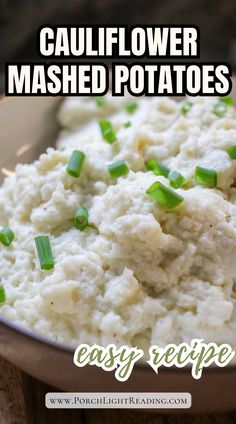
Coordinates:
22 402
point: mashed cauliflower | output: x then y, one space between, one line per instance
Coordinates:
140 274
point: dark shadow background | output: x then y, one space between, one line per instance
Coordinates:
20 19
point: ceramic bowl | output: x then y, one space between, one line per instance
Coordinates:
28 126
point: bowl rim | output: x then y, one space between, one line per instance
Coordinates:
27 332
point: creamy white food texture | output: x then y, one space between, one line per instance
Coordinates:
141 275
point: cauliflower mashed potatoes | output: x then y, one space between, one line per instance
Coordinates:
140 273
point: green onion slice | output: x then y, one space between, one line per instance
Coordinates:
75 163
6 236
186 106
227 100
100 101
81 218
165 196
108 133
176 179
220 109
44 252
127 124
206 177
232 152
157 168
118 169
3 296
131 107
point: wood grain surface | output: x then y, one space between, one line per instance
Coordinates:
22 402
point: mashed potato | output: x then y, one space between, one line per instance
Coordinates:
140 274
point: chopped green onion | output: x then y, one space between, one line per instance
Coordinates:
6 236
220 109
127 124
176 179
206 177
164 195
118 169
131 107
227 100
108 133
62 149
157 168
81 218
75 163
3 296
186 106
44 252
100 101
232 152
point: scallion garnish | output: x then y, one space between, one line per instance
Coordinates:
3 296
6 236
75 163
100 101
227 100
164 195
44 252
220 109
186 106
127 124
206 177
81 218
176 179
232 152
131 107
157 168
118 169
108 133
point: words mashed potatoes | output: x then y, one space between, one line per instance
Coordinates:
155 261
